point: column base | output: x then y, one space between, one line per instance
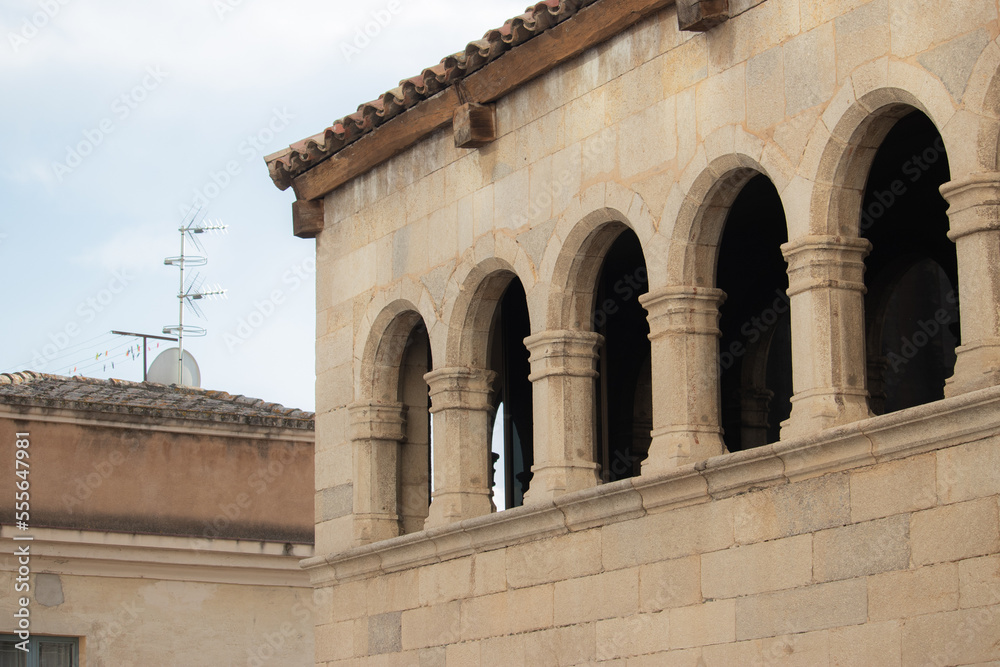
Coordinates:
680 445
450 507
977 366
559 478
820 409
370 528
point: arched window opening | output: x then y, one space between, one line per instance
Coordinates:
911 308
414 478
624 384
512 430
755 354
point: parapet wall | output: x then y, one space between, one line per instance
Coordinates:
204 481
876 543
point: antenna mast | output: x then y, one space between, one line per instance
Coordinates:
188 294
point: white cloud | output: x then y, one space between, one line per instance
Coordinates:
137 248
30 171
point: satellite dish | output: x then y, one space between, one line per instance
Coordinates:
164 369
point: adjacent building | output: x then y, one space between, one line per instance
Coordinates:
167 523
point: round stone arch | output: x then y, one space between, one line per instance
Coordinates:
390 425
470 315
697 231
384 350
473 291
849 134
384 320
572 259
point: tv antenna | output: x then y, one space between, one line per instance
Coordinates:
194 290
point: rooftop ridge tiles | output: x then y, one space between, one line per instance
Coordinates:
47 390
284 165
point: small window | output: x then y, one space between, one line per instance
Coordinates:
42 652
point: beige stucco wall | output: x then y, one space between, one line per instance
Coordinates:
645 130
145 620
163 477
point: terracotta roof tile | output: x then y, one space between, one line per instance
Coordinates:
286 164
147 399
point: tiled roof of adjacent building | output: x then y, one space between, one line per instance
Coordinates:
303 155
145 399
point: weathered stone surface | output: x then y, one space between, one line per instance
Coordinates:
633 635
607 595
707 527
545 561
489 572
437 625
862 645
979 581
965 637
443 582
793 509
335 641
893 487
917 26
861 549
956 531
953 62
913 592
335 502
670 583
806 648
385 633
862 36
703 624
684 66
722 100
813 608
808 79
567 645
393 592
349 600
757 568
516 611
765 90
968 471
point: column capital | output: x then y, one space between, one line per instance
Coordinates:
377 421
683 309
826 262
973 203
460 387
682 296
563 352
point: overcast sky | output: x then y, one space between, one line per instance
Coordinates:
118 115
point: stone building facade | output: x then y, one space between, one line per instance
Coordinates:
732 269
167 524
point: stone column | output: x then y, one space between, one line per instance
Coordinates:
826 292
376 431
460 408
684 344
974 214
562 376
